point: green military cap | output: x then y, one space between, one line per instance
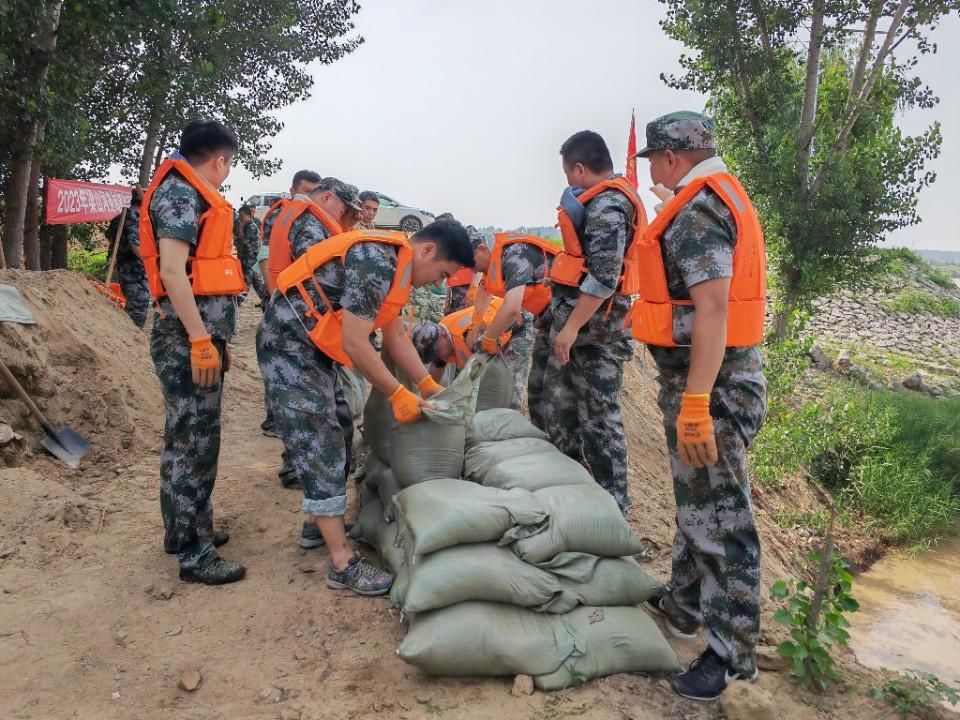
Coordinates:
350 194
682 130
424 338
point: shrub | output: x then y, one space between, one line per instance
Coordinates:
915 302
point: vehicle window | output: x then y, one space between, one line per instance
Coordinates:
387 202
252 200
271 199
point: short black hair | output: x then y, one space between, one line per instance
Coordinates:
203 138
453 242
589 149
369 195
245 210
304 175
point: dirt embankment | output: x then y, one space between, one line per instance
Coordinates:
94 623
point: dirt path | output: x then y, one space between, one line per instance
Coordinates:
95 624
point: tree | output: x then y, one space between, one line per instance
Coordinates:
805 95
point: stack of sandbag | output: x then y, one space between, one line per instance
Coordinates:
509 571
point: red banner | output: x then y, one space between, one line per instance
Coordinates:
72 201
631 152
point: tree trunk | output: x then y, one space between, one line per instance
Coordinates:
161 146
31 230
789 303
150 146
21 163
808 112
58 253
46 246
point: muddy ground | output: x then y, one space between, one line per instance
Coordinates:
95 624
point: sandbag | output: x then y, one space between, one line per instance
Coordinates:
398 591
381 476
438 514
371 529
481 571
486 639
482 456
377 423
433 446
583 518
591 580
501 424
537 472
609 640
352 384
496 387
367 493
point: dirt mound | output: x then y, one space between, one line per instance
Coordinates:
84 363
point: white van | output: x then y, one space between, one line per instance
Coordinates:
262 202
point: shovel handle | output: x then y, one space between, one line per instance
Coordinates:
31 406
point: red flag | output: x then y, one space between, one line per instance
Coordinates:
72 201
631 152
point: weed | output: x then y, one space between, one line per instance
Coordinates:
89 263
789 519
916 693
558 706
917 302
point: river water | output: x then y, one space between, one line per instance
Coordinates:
909 615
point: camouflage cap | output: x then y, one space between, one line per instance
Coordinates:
424 338
350 194
682 130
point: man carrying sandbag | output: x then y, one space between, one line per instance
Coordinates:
702 283
578 356
329 301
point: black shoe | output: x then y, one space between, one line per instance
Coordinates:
310 536
288 480
707 677
216 572
269 429
678 624
220 537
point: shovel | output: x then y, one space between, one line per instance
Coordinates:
64 444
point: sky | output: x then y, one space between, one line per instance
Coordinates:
462 107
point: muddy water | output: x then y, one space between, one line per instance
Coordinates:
909 615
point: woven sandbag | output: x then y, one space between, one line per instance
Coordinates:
501 424
486 639
438 514
591 580
381 476
482 456
583 518
496 387
371 529
537 471
377 424
609 640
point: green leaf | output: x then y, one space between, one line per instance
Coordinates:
783 617
780 589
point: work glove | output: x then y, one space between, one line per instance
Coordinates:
429 387
696 443
491 346
204 361
406 406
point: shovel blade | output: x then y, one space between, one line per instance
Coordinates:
66 445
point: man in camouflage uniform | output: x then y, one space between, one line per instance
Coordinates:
188 329
130 272
715 579
302 381
370 204
581 346
246 240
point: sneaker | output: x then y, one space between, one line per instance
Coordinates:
310 536
707 677
288 479
680 625
216 572
270 429
220 537
361 576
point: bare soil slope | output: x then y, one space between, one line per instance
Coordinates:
95 624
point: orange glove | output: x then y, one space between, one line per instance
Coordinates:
406 406
490 345
429 387
696 443
204 361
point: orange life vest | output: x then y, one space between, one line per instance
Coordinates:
212 269
280 255
536 296
463 276
459 323
327 331
569 267
651 317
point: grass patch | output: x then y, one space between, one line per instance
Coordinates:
915 302
89 262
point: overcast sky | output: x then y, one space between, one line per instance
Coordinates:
462 106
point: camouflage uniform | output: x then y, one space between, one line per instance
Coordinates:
302 383
191 436
456 299
715 578
130 273
578 404
247 243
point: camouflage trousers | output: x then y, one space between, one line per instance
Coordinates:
133 281
578 406
517 355
191 446
313 415
254 279
715 578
